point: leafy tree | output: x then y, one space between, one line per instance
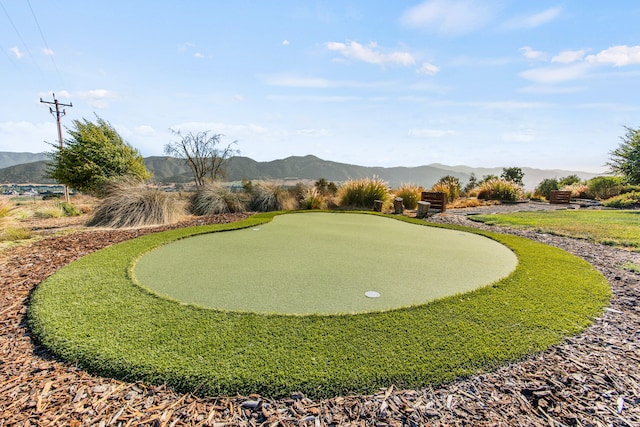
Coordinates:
93 156
625 160
546 186
569 180
201 153
513 174
604 187
486 178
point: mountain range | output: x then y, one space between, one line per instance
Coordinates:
22 168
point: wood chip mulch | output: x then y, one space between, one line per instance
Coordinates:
592 379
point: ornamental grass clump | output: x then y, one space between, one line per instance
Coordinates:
410 194
131 203
6 206
449 185
578 190
624 201
313 199
214 198
267 197
499 189
362 193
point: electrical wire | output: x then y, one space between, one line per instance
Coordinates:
46 45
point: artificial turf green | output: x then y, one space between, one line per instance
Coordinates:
90 313
323 263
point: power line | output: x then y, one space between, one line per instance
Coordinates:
46 45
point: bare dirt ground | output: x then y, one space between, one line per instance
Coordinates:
592 379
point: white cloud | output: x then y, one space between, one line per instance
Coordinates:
285 42
428 69
532 54
313 132
559 74
27 137
370 53
448 17
569 56
98 98
47 52
519 136
617 55
16 52
429 133
292 80
527 22
198 55
144 130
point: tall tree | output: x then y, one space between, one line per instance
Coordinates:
201 153
513 174
93 155
625 160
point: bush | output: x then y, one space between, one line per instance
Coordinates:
450 185
313 199
361 193
578 190
267 197
624 201
129 203
546 186
213 198
12 233
499 189
605 187
46 212
410 194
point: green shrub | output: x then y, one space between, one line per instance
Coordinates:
361 193
69 209
130 203
605 187
499 189
630 189
410 194
267 197
450 185
546 186
624 201
46 212
213 198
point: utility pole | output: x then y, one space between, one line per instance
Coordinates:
58 114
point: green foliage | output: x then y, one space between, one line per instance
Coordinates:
129 203
69 209
618 228
361 193
92 315
629 200
546 186
513 174
450 185
410 194
11 232
326 188
214 198
94 156
499 189
569 180
605 187
625 160
267 197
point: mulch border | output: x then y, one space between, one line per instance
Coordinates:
590 379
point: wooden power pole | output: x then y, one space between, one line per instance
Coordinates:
57 113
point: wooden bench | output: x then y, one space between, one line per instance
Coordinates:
436 199
558 197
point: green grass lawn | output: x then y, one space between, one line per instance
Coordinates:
610 227
92 314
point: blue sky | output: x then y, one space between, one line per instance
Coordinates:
547 84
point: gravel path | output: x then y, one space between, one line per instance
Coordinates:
592 379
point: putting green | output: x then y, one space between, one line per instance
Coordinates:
323 263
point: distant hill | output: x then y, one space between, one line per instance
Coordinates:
9 159
172 170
